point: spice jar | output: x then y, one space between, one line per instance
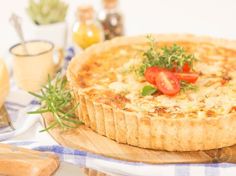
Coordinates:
86 30
111 19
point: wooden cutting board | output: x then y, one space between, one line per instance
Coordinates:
83 138
16 161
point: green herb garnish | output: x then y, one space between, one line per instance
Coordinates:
169 57
185 86
56 99
148 90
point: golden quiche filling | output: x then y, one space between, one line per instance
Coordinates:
112 77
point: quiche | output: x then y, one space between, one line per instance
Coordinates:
105 83
4 82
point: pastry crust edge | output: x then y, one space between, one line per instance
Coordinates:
158 133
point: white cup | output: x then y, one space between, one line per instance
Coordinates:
31 70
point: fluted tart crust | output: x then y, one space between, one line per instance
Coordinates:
105 85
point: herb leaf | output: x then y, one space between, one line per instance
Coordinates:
185 86
148 90
168 57
56 99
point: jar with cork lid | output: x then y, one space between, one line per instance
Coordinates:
86 30
111 19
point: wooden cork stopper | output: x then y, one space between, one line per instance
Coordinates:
85 12
110 4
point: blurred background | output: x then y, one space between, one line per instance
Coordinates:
208 17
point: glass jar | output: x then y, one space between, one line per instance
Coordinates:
111 19
86 30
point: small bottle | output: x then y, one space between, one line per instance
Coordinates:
86 30
111 19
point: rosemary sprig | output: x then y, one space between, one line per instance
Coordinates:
167 57
56 99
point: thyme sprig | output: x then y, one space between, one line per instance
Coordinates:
185 86
168 57
57 99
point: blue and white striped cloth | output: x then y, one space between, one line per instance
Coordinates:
19 101
123 168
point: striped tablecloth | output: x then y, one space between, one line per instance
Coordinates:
19 102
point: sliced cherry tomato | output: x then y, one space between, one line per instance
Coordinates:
188 77
186 68
167 83
151 73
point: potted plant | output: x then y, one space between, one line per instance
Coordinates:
48 18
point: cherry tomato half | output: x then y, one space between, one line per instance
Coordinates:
188 77
167 83
185 68
151 73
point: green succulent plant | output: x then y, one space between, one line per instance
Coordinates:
47 11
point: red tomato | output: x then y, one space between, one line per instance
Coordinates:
186 68
150 74
188 77
167 83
